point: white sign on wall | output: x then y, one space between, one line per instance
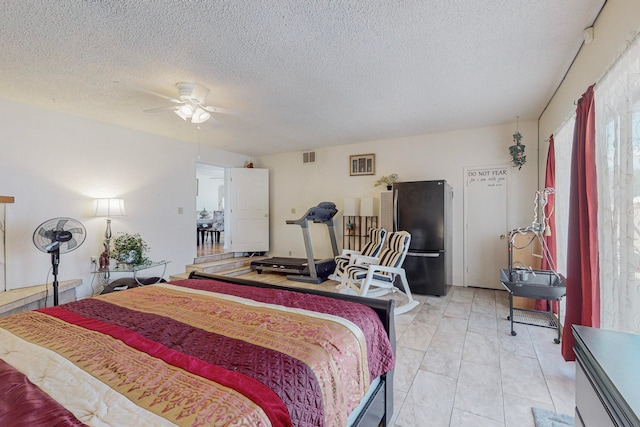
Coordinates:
493 177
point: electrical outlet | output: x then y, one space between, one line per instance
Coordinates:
94 259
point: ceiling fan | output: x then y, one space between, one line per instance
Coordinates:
190 103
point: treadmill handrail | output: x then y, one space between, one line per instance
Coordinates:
321 214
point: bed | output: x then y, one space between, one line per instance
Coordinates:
209 350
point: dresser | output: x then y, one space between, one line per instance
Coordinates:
607 378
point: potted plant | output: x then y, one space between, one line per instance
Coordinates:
130 249
388 180
517 151
351 227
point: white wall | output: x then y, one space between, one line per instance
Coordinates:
617 24
56 164
425 157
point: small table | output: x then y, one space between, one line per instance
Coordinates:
105 273
536 284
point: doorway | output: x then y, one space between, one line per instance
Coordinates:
211 215
485 219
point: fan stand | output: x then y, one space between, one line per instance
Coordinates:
55 260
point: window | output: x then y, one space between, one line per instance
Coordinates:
617 101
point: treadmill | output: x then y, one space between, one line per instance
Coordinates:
307 270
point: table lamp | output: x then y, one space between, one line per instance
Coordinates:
108 208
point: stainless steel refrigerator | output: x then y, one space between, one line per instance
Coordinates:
424 208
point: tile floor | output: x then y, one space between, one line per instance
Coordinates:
459 365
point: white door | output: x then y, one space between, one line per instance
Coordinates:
485 219
249 201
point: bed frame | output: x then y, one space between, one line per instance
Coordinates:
379 408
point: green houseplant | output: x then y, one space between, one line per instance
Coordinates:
387 180
130 249
517 151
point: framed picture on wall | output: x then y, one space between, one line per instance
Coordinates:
362 164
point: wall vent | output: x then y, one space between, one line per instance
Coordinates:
308 157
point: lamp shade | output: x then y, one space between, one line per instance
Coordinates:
200 116
369 206
109 207
351 207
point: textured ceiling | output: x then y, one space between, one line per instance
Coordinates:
307 73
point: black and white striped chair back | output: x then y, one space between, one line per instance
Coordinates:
392 256
371 249
396 251
376 239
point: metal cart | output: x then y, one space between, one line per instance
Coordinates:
538 284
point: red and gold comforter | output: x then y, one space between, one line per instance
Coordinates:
193 352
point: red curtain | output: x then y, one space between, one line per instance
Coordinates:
549 259
583 286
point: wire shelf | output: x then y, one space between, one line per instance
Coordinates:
534 318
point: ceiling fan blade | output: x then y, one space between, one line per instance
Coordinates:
214 123
221 110
160 109
150 92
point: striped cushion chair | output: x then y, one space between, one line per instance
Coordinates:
373 277
371 249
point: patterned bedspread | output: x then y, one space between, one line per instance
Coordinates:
193 352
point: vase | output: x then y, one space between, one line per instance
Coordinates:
130 257
389 187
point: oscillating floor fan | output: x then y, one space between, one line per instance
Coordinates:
58 236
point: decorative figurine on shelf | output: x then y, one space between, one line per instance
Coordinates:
104 257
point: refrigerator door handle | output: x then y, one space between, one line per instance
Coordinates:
395 210
424 255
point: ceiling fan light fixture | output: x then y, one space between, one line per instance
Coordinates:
200 116
180 114
184 112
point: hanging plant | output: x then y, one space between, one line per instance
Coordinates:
517 151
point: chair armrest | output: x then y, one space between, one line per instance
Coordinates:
365 260
385 268
349 252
